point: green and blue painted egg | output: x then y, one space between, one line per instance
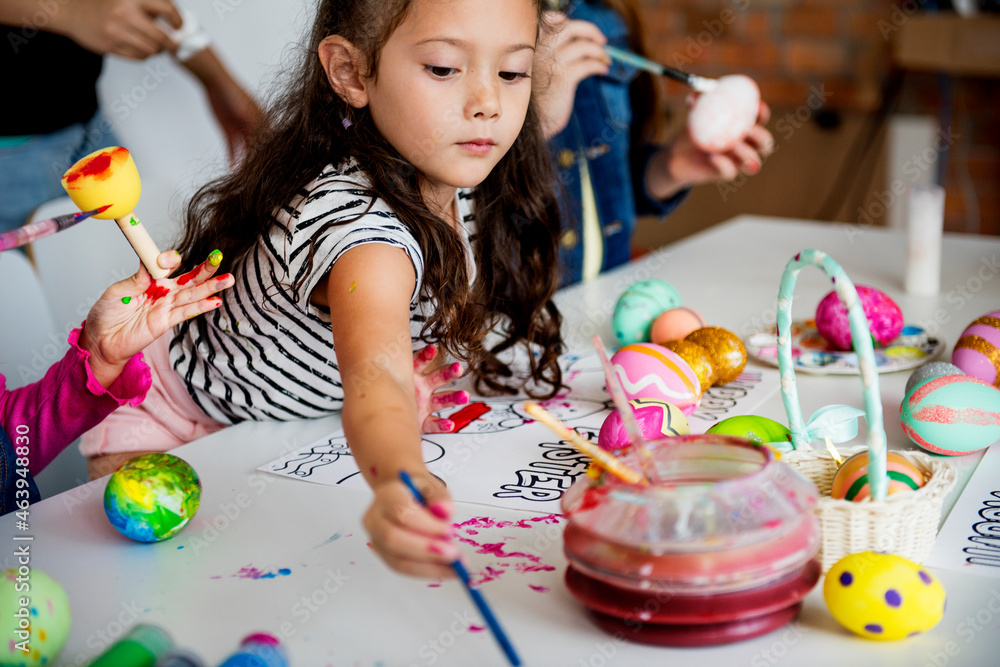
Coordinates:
152 497
952 414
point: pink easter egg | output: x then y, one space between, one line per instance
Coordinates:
722 117
675 324
655 418
647 370
977 351
885 319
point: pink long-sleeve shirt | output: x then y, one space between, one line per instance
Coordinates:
67 402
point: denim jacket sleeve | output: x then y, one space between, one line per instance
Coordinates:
12 496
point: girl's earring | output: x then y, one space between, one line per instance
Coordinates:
346 122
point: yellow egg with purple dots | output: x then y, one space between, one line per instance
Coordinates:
655 418
150 498
851 480
883 596
41 624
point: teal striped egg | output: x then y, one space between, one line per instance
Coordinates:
952 414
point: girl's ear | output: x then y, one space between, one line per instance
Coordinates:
343 63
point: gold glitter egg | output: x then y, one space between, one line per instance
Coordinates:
698 359
729 356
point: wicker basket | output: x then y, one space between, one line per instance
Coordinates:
903 523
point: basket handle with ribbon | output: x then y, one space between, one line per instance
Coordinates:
839 423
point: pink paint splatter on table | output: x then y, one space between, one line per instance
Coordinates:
504 560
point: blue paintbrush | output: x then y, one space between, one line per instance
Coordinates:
474 593
699 83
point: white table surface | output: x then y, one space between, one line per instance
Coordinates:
341 606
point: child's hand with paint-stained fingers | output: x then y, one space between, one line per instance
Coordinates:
134 312
412 539
429 376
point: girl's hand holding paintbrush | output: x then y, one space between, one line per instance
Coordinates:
134 312
412 539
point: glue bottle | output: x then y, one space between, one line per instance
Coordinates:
258 650
141 647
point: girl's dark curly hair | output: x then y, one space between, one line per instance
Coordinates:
518 222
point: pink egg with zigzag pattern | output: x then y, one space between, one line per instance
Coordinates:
647 370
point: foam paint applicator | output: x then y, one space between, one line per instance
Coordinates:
109 177
605 459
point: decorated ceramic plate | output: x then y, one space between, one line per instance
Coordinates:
812 354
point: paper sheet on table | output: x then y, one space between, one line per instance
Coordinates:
969 541
506 459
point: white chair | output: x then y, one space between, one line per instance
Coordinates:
29 339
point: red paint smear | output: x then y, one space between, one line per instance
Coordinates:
156 292
540 589
593 497
98 167
189 276
374 471
476 628
433 585
467 414
942 381
939 414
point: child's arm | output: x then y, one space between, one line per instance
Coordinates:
102 369
368 291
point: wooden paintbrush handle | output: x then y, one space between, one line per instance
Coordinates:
142 243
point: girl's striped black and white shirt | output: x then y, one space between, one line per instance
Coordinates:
267 353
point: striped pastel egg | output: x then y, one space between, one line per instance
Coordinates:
655 418
647 370
952 414
851 481
977 351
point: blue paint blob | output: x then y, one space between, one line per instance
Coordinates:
846 578
873 628
893 598
924 577
284 571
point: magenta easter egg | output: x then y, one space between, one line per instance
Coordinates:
977 351
952 414
655 418
885 319
647 370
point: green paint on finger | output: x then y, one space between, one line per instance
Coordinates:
126 299
215 257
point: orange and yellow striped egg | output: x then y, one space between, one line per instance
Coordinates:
851 481
647 370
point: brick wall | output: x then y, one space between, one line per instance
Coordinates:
799 50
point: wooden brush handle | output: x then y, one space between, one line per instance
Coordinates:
141 242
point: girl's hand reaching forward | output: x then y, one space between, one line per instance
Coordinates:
134 312
412 539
